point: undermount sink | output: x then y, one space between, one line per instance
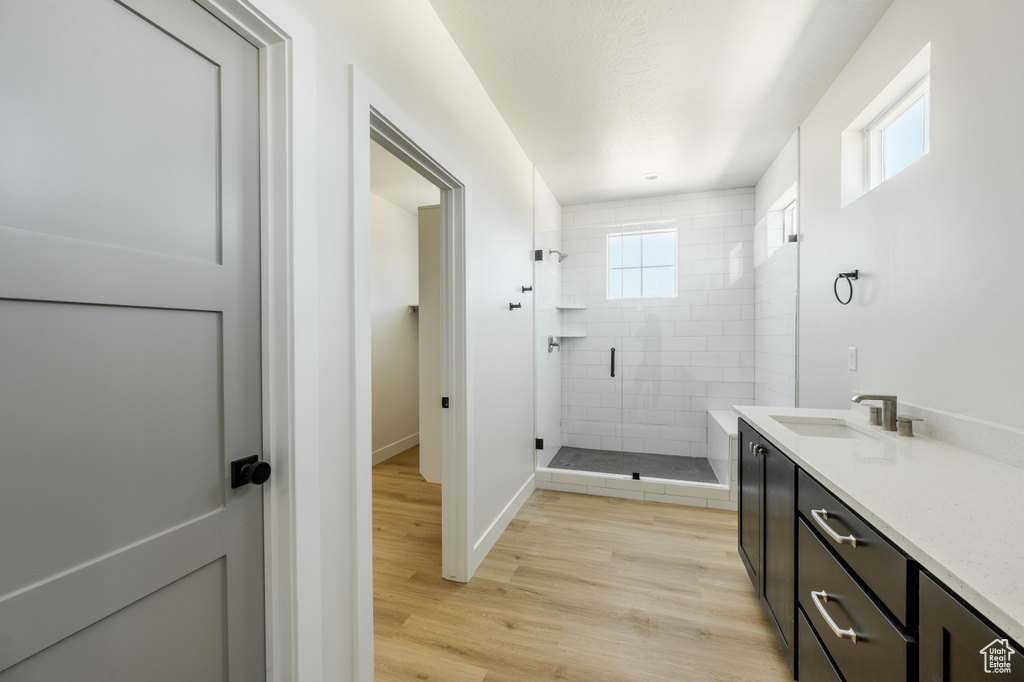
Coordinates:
823 427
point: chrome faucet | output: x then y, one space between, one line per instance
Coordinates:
888 409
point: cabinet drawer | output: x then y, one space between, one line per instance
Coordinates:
879 564
814 664
882 650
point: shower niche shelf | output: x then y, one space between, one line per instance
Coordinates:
571 334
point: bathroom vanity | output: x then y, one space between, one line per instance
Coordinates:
877 556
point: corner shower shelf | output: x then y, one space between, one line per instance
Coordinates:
571 336
570 307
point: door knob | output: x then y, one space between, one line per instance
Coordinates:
249 470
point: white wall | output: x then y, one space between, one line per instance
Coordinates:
394 286
775 288
547 295
430 387
404 49
676 357
937 315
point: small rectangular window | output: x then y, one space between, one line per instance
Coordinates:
899 136
782 221
790 218
890 134
642 264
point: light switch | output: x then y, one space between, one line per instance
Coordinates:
851 358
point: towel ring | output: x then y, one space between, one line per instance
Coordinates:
849 277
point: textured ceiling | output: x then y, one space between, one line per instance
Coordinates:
393 180
705 92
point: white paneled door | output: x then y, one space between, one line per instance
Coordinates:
129 344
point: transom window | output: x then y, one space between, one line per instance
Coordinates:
790 219
890 134
900 136
642 264
782 221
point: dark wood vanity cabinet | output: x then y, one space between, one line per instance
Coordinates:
844 601
751 484
767 531
779 550
956 645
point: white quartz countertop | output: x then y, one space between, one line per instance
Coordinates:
957 513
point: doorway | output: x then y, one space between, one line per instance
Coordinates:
375 116
396 132
405 313
454 523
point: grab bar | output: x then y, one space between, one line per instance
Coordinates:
613 362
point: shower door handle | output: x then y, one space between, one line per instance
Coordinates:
613 362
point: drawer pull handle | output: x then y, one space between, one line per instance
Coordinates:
820 599
820 516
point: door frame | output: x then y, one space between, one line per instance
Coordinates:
375 116
288 244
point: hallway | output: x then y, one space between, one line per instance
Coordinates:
577 588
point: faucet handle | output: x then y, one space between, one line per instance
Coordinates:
905 425
875 415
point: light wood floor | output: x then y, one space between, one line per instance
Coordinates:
577 588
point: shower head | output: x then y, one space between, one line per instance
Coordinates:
561 256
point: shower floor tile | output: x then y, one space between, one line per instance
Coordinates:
673 467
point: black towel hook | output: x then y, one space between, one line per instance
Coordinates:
849 277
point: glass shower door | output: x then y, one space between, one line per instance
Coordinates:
654 413
603 385
591 383
625 290
639 423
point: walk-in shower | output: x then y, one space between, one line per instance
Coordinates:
655 323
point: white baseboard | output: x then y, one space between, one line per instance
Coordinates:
491 535
389 451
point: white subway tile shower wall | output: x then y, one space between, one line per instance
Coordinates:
775 291
775 313
677 356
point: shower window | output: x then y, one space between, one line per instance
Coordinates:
642 264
